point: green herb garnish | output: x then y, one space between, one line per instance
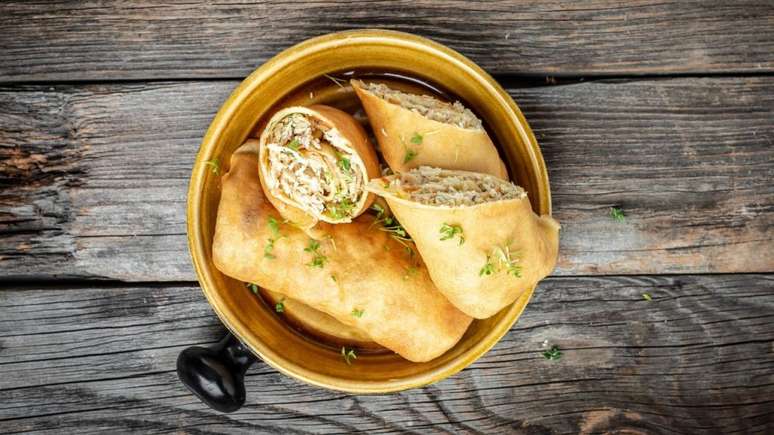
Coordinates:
341 209
409 155
280 306
313 246
318 259
552 354
396 230
503 259
357 312
333 277
647 297
416 139
488 267
390 225
378 209
335 80
214 165
617 214
348 355
253 287
294 144
515 271
345 164
267 249
274 227
449 231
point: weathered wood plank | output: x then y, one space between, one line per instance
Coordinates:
94 177
96 40
695 359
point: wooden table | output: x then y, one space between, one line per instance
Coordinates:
664 109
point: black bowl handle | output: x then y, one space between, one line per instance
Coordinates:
217 374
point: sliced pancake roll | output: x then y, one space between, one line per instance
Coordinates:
314 164
482 243
421 130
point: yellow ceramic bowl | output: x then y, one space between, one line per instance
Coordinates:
255 323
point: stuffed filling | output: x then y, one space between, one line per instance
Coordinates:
427 106
442 187
314 166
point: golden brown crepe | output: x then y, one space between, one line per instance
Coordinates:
477 235
355 267
315 162
420 130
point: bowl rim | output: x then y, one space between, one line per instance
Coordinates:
219 124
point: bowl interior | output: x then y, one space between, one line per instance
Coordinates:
284 80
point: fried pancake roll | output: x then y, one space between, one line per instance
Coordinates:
421 130
482 243
353 268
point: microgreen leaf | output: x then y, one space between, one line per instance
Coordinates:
338 82
348 355
253 287
409 155
503 258
450 231
274 226
214 165
416 139
267 249
341 209
617 214
318 259
313 246
487 269
378 209
280 306
345 164
357 312
552 354
294 144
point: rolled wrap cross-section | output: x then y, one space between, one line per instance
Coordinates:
482 243
314 163
350 268
421 130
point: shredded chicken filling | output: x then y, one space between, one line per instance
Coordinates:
427 106
434 186
312 165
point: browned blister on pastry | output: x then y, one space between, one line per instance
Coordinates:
421 130
477 234
356 272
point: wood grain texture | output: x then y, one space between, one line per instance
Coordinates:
106 40
102 360
95 176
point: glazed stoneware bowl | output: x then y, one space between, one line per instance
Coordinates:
251 319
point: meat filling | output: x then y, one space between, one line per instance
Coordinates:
312 165
441 187
427 106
